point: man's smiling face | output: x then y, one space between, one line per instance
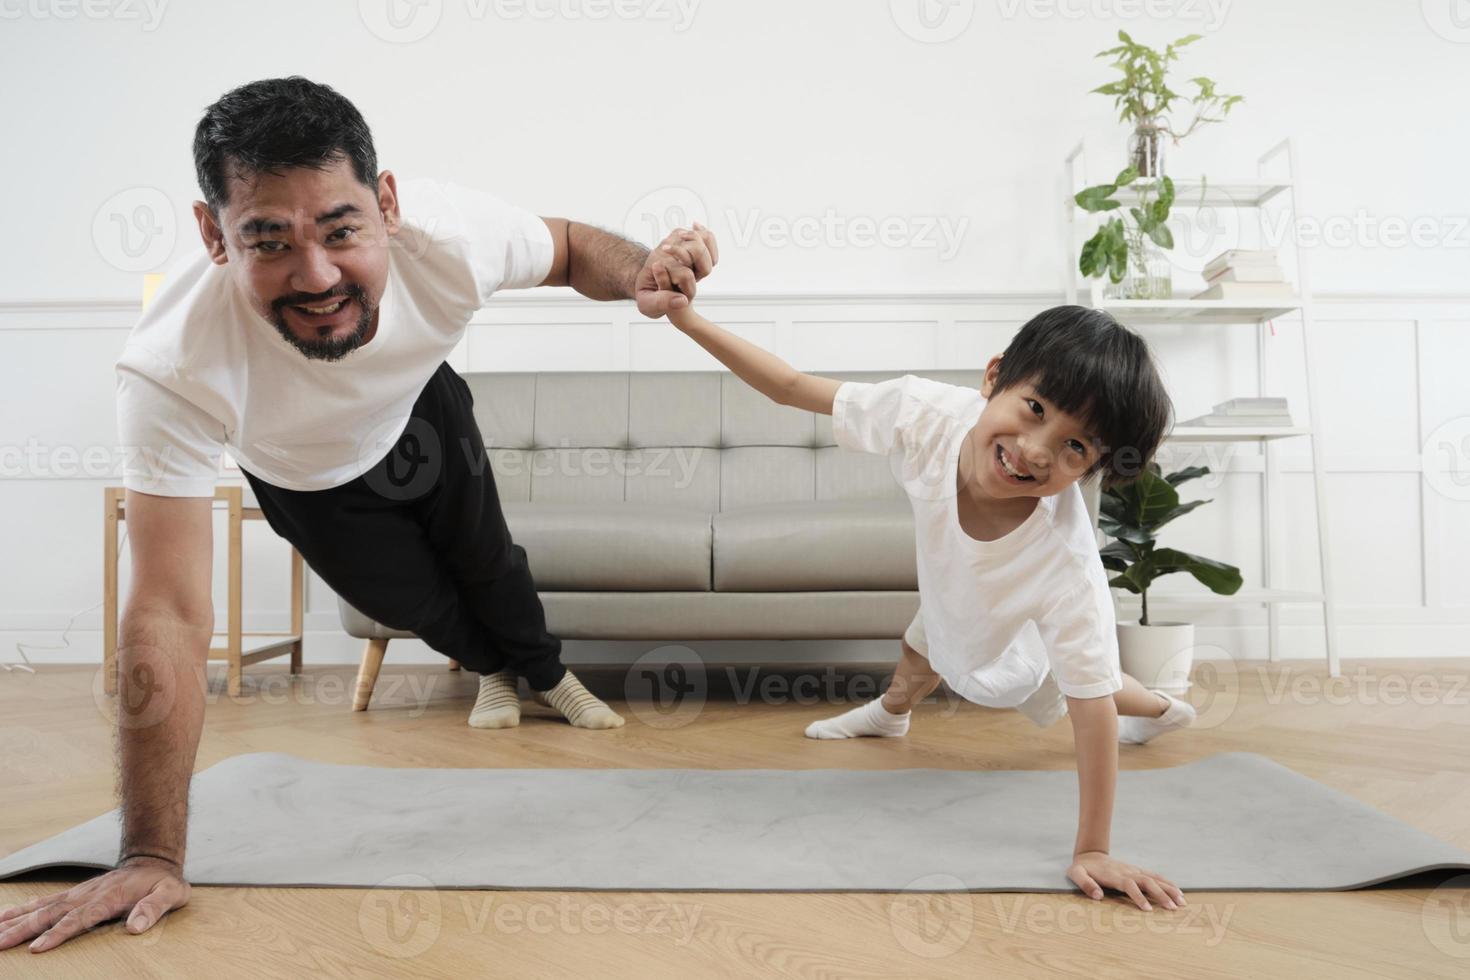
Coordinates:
310 250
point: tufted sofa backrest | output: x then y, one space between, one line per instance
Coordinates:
701 440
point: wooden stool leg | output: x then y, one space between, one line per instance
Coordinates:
235 626
367 673
453 664
110 499
298 602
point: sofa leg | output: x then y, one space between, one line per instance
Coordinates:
367 673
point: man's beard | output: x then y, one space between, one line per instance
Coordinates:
330 348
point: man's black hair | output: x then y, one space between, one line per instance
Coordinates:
1087 364
275 124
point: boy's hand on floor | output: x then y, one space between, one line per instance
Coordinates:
1092 871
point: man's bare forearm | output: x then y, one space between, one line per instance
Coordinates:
160 707
601 265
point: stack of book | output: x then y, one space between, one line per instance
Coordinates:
1245 413
1245 274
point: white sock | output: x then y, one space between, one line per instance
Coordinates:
498 704
1135 730
866 719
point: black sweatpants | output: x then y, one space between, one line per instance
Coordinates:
419 542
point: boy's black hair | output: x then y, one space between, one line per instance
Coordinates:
274 124
1089 365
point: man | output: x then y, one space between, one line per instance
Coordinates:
309 338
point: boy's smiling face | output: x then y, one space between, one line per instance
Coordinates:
1024 446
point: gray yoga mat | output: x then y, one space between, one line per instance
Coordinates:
1230 822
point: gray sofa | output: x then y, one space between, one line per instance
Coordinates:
686 506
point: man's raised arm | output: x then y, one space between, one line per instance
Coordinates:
604 266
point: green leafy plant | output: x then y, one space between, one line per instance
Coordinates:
1132 516
1108 250
1143 96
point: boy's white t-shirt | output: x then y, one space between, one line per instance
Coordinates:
202 371
999 615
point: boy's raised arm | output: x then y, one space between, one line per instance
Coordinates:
762 370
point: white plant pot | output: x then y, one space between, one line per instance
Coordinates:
1159 656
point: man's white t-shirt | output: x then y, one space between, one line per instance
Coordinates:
202 371
999 615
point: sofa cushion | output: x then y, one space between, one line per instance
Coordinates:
615 547
815 546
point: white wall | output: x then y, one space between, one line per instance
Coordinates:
762 114
762 109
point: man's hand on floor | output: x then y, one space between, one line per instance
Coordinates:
142 888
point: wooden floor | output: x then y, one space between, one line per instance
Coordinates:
1393 733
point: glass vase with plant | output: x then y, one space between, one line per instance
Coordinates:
1132 255
1130 252
1143 99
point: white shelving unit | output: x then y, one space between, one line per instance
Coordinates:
1244 195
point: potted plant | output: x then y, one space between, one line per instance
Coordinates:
1143 98
1159 654
1121 249
1131 253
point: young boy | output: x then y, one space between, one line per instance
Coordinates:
1014 602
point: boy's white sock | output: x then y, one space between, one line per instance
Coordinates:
866 719
1134 730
